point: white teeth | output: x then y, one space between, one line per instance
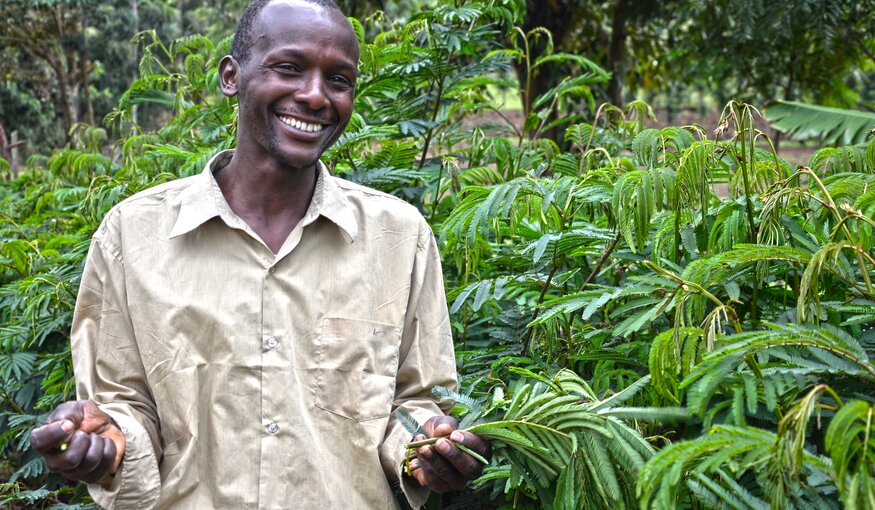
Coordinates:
303 126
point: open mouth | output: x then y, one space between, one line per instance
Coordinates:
300 125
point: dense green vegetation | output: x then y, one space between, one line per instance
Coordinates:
652 318
67 62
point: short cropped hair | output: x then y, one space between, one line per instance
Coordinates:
242 45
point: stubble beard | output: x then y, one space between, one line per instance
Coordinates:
274 147
274 143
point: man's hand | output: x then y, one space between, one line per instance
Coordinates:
443 467
80 441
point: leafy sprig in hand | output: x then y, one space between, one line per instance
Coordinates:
554 437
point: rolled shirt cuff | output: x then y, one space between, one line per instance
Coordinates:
393 455
137 483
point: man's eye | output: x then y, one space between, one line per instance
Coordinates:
342 81
291 68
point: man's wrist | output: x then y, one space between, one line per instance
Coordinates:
115 434
106 481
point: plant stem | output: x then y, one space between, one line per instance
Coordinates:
842 224
425 442
601 261
546 286
677 229
432 440
13 404
434 114
744 126
437 192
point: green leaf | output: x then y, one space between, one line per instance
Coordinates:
409 422
834 126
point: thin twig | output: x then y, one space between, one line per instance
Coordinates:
601 261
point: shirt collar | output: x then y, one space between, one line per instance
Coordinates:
203 201
331 202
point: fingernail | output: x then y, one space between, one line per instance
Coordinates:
443 446
67 426
457 436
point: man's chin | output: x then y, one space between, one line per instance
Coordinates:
296 161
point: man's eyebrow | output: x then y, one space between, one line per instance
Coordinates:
290 52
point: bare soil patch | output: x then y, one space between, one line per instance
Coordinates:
793 152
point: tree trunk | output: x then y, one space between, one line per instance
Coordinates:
14 160
788 96
135 22
180 6
618 53
558 18
65 102
84 70
9 151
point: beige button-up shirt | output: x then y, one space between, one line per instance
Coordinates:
244 379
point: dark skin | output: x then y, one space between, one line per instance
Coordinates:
81 442
295 97
442 467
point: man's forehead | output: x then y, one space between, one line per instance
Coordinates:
296 6
278 14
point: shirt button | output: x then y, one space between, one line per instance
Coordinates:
272 343
272 427
272 270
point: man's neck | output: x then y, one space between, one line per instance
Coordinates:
271 199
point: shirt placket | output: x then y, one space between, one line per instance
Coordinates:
273 427
276 430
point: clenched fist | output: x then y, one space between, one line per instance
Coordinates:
443 467
80 442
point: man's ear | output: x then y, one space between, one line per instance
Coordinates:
229 74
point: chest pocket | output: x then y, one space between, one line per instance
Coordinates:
356 364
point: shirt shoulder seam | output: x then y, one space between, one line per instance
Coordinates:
364 190
172 186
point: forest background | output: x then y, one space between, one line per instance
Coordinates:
670 312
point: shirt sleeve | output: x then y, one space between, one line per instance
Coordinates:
426 360
109 371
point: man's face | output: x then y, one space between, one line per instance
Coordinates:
295 92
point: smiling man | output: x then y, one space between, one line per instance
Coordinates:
242 337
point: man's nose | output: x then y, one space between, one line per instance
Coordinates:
312 92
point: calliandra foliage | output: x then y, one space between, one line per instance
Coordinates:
554 435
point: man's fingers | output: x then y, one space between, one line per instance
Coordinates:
437 426
428 469
50 437
88 457
85 415
71 411
472 442
106 465
69 459
90 460
444 466
438 460
427 478
80 441
97 462
462 465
